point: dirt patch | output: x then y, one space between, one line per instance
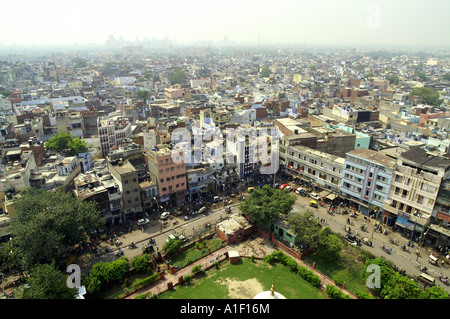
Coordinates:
242 289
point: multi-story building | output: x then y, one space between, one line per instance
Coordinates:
128 180
112 132
169 171
366 179
319 168
415 186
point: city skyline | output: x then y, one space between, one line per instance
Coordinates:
251 22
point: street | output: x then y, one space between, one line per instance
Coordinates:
406 260
191 228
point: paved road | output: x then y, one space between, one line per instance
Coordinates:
337 222
407 260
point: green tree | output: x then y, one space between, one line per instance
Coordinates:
48 223
428 95
422 76
306 228
266 204
172 245
141 263
330 245
177 76
5 93
393 79
66 143
46 282
265 72
446 76
142 94
400 287
79 62
104 272
434 292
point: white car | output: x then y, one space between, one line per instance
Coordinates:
164 215
143 221
314 196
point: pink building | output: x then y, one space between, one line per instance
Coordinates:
170 175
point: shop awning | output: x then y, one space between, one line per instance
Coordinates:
331 196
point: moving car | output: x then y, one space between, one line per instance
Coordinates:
164 215
143 221
315 196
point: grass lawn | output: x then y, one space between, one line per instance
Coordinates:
349 269
234 280
193 253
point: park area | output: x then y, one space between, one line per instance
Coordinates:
244 280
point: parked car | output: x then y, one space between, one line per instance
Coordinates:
283 186
300 191
289 188
216 199
164 215
143 221
315 196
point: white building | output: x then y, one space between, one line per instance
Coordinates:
112 132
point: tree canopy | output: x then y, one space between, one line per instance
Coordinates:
396 286
66 143
266 204
46 282
265 72
306 228
48 223
428 95
177 76
393 79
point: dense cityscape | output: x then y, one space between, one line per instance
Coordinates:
165 165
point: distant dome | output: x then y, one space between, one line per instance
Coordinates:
270 294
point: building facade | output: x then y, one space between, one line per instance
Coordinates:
366 179
112 132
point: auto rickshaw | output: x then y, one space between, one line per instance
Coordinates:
147 249
313 203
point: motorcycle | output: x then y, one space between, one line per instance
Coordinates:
423 268
363 227
133 245
404 248
443 279
393 241
386 249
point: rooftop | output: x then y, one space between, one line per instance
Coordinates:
374 156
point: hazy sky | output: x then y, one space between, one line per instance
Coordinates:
281 21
